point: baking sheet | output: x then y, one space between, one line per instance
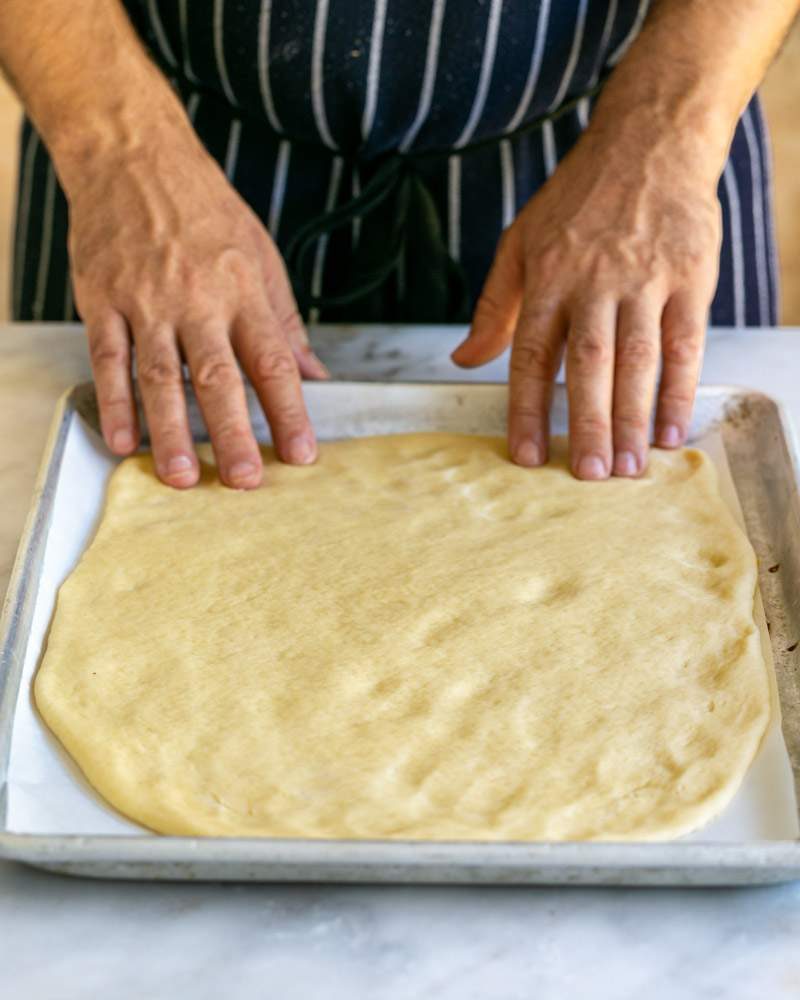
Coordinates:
47 795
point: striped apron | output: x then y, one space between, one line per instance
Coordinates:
304 102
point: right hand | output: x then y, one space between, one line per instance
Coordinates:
166 254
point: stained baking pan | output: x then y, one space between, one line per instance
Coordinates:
50 818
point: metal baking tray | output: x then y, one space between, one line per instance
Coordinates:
761 454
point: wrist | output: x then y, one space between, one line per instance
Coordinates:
94 133
647 128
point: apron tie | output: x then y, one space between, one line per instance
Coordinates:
404 239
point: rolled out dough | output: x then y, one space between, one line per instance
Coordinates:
413 638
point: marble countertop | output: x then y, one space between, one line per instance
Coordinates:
69 939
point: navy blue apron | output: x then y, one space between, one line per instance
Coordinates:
440 117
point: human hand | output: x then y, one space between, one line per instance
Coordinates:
615 261
165 254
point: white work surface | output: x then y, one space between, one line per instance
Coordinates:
62 938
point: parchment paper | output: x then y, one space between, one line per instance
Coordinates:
47 794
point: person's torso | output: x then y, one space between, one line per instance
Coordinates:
387 74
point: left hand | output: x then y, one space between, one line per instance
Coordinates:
614 259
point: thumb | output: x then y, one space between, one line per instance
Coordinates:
308 363
496 313
282 300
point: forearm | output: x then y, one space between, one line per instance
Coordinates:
85 80
688 76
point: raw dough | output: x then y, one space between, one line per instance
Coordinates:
413 638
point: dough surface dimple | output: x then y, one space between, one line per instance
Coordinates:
413 638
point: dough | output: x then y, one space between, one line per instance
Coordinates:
413 638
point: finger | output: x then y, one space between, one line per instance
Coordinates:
683 329
498 308
284 306
535 358
590 377
220 393
272 370
636 367
110 353
158 371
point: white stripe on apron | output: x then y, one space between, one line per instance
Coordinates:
454 206
317 92
428 77
374 69
161 37
756 181
572 62
278 188
232 152
355 191
485 78
192 105
184 22
737 252
219 50
535 68
628 40
769 215
322 242
23 220
508 187
43 273
263 65
611 17
549 149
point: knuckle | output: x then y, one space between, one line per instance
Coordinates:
537 310
169 432
215 371
589 349
289 422
681 347
533 357
630 420
589 426
239 264
548 261
290 416
527 410
203 316
106 354
159 371
638 352
277 363
113 400
231 430
677 397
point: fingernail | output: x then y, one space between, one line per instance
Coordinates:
625 464
670 436
591 467
242 471
300 450
178 465
528 453
122 441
